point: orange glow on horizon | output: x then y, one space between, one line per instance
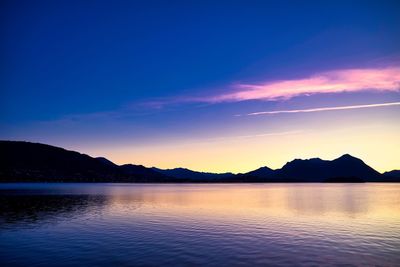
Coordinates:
376 146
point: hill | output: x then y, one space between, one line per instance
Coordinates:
31 162
34 162
183 173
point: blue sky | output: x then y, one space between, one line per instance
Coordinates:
98 76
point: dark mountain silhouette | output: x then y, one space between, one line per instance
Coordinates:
260 175
33 162
392 176
24 161
106 161
146 174
394 173
318 170
183 173
263 172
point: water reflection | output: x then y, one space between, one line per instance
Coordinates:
32 203
346 200
31 210
199 224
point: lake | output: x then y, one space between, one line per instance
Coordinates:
49 224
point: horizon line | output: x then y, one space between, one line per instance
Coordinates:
235 173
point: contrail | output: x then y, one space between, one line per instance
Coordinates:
324 109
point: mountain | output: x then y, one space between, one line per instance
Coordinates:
394 173
146 174
392 176
344 168
106 161
183 173
263 172
260 175
34 162
31 162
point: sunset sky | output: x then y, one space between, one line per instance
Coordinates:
207 85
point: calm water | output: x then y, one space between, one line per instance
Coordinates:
199 224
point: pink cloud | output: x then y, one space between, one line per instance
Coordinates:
349 80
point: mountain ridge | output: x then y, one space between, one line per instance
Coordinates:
22 161
184 173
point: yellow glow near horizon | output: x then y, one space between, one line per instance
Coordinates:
377 146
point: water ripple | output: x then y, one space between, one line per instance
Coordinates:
200 225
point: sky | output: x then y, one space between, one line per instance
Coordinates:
208 85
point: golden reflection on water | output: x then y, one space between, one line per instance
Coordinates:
201 224
331 202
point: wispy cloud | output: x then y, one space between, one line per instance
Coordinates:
324 109
256 135
348 80
242 137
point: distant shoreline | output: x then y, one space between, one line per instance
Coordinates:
33 162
